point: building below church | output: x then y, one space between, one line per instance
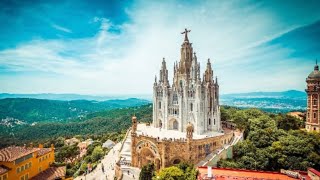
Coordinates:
23 163
313 103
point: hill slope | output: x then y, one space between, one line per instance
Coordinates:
28 111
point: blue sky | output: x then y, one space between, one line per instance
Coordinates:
116 47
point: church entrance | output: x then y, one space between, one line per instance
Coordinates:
173 124
146 157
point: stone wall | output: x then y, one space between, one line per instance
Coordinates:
166 152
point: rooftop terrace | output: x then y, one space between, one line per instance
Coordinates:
151 131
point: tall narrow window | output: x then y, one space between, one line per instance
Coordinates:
191 107
314 102
209 121
214 121
314 115
159 105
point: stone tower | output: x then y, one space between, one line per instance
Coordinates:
313 106
189 98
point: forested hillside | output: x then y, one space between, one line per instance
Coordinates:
114 120
26 111
272 142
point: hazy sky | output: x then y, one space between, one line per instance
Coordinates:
116 47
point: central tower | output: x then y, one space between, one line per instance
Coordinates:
189 99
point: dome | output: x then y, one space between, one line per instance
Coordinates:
315 73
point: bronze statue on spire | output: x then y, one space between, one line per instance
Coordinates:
185 32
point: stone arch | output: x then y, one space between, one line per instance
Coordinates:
145 156
176 161
157 163
159 123
173 124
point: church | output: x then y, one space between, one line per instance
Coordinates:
189 99
186 124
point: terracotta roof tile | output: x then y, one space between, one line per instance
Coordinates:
51 173
239 174
43 151
3 169
314 171
14 152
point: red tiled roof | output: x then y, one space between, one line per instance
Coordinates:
43 151
3 169
14 152
314 171
51 173
240 174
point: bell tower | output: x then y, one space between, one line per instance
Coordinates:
313 106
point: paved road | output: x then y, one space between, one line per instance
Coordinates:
108 162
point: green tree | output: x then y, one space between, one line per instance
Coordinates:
288 122
241 120
97 154
189 172
170 173
147 172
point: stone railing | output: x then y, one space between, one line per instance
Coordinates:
124 140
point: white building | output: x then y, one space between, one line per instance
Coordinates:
189 98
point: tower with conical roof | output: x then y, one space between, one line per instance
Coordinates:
313 106
189 98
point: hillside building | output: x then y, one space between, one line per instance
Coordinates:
23 163
313 103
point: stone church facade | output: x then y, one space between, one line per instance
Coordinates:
186 116
189 99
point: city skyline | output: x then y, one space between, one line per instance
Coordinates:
116 47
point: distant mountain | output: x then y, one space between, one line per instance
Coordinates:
284 94
69 97
268 101
29 111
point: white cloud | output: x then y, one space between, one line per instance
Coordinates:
107 63
60 28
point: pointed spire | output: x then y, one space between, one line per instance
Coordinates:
155 79
316 67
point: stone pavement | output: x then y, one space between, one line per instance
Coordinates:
108 162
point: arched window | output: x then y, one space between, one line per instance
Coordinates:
209 121
314 102
314 115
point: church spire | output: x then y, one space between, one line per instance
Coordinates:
164 73
316 67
